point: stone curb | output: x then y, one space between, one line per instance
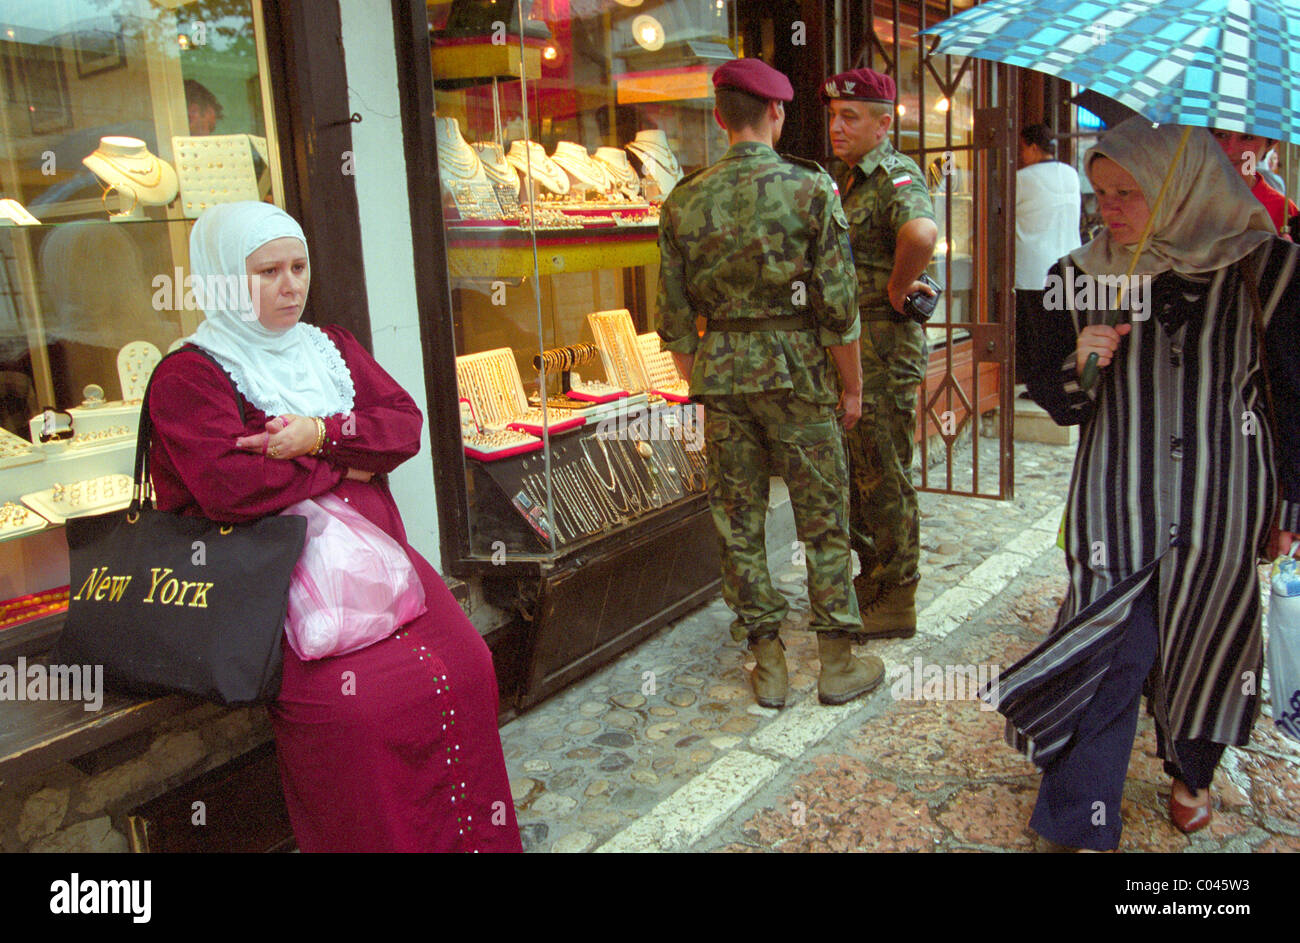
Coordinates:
697 809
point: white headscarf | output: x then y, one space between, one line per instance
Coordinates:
1208 218
298 370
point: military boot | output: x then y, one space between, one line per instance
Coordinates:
844 677
892 614
769 676
867 590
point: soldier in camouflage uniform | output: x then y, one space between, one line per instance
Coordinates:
893 233
758 244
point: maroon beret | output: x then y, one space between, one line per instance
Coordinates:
859 85
755 77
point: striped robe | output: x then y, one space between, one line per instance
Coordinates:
1173 482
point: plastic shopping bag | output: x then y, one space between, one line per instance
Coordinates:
1284 646
353 585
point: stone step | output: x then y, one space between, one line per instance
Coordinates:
1032 424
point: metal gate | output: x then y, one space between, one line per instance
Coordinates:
956 118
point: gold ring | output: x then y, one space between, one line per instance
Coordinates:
274 451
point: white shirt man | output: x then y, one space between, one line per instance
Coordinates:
1047 219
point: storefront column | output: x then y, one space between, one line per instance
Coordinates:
378 161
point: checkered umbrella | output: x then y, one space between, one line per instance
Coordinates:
1230 64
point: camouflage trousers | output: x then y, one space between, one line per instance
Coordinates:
749 439
884 519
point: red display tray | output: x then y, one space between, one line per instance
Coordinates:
498 454
672 397
564 425
595 398
33 606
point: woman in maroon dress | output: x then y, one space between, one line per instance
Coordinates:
393 747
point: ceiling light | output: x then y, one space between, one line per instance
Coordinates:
648 32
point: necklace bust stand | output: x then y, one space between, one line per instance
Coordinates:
503 177
463 175
125 165
531 161
659 166
585 174
625 182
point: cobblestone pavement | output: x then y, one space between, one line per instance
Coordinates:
665 749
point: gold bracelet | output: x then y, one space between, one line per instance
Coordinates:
320 435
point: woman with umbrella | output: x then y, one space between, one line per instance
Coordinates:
1173 494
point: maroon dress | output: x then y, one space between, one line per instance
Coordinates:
391 748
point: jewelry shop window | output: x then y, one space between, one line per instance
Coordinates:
120 121
561 127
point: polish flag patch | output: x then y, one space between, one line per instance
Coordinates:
902 181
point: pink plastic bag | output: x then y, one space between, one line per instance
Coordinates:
353 585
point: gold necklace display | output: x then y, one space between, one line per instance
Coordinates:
150 176
621 173
455 157
493 161
616 338
660 366
529 158
125 165
490 381
583 171
658 162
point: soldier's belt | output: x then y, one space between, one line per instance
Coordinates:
796 322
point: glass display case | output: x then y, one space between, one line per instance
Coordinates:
119 122
560 128
574 492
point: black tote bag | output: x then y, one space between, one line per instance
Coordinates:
175 604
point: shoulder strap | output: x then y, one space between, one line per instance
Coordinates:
142 492
805 163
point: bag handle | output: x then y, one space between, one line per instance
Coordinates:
142 490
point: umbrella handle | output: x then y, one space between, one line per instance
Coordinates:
1088 379
1090 371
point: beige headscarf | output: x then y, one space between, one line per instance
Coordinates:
1208 219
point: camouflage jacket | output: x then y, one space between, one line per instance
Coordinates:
882 192
757 235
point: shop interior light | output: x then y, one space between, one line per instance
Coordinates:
942 105
648 32
550 53
183 40
902 109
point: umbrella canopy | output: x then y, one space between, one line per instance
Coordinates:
1230 64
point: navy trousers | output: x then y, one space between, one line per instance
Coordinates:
1079 797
